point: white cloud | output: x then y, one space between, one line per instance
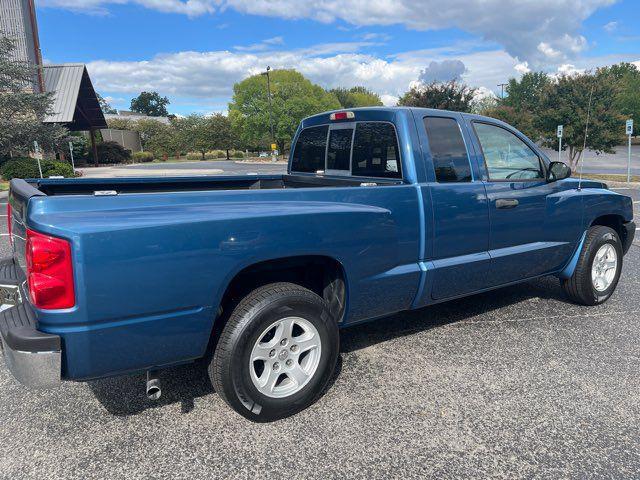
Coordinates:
267 44
522 68
611 27
515 24
442 71
569 70
210 75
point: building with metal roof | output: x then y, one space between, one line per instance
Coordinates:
75 103
18 23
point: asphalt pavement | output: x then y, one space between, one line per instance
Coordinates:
514 383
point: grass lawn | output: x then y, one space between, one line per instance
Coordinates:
606 177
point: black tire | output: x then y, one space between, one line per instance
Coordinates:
580 288
229 369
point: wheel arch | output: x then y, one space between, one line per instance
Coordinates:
323 275
614 222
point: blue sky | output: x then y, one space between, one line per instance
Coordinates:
193 51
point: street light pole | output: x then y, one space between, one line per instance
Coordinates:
502 85
273 139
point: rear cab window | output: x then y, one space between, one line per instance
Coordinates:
448 150
359 149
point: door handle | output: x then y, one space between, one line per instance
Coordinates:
506 203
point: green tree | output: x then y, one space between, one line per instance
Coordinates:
22 111
356 97
293 98
205 133
452 95
566 102
527 93
625 78
150 103
105 106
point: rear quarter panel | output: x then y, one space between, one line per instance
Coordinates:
150 270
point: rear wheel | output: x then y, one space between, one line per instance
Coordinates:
276 353
598 269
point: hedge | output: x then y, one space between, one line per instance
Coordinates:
28 168
112 152
143 157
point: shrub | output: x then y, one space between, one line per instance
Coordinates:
112 152
220 154
237 154
143 157
194 156
28 168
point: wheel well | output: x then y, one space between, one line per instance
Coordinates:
612 221
322 275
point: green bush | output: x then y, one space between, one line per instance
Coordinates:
237 154
194 156
28 168
112 153
143 157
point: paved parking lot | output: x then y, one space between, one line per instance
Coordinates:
512 383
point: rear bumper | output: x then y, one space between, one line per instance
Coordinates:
630 229
34 358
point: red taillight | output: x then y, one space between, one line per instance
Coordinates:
49 271
342 116
9 222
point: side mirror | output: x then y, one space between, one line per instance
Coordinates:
558 171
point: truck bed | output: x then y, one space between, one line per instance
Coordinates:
89 186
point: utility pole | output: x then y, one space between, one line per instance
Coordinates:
273 139
502 85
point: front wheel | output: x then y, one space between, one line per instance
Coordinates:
598 269
276 353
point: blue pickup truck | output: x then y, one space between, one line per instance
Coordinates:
381 210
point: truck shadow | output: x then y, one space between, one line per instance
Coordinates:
124 396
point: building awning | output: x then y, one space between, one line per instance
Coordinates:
75 104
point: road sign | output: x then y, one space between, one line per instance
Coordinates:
629 130
274 147
559 134
38 155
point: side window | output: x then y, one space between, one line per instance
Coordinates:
506 156
375 151
448 151
309 151
339 151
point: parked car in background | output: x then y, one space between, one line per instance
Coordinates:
381 210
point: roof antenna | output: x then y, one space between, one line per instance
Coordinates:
584 145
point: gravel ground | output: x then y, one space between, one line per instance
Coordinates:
509 384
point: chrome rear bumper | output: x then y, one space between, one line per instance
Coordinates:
33 357
33 369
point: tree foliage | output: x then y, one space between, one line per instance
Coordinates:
452 95
150 103
21 110
566 102
625 78
205 133
105 106
356 97
293 98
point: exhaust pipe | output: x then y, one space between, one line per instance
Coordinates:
153 386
